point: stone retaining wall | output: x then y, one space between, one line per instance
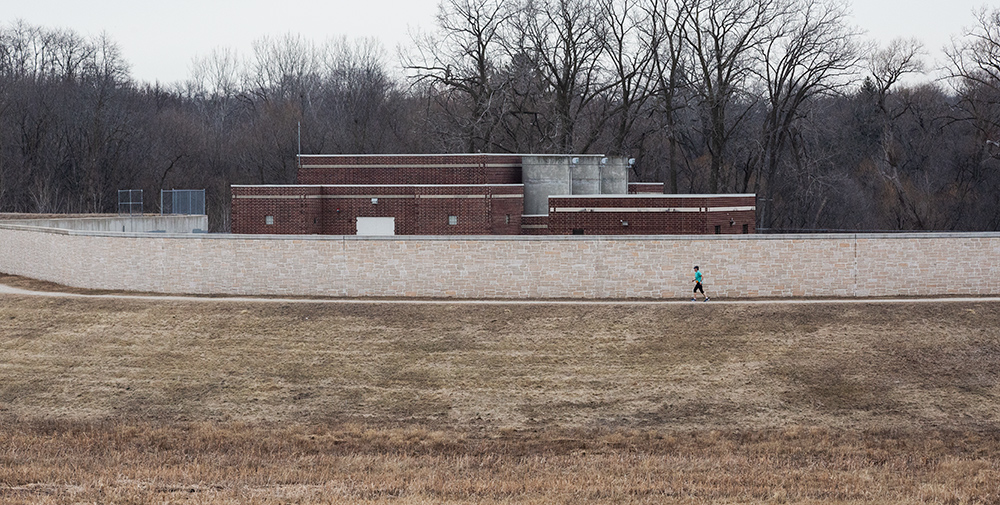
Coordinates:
174 223
745 266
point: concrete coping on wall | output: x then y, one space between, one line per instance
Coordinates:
508 238
656 195
150 223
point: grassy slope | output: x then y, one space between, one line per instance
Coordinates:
220 402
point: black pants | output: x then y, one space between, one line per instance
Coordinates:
697 288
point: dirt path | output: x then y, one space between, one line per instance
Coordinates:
52 290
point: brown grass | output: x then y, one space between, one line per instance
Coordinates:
141 401
233 463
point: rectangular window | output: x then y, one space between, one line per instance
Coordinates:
718 229
577 231
453 220
268 219
746 229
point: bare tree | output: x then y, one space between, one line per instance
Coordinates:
887 66
283 68
358 91
975 73
671 73
566 40
811 52
631 57
726 38
217 75
67 117
459 64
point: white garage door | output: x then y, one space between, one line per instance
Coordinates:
376 226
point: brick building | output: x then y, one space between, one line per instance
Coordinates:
478 194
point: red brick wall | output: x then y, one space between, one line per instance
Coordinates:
505 211
470 205
593 220
731 222
418 210
342 205
645 187
481 210
503 169
534 225
410 169
295 209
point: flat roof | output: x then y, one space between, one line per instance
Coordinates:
658 195
371 185
428 155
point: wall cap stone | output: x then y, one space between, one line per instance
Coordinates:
513 238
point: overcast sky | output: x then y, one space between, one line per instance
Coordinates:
161 38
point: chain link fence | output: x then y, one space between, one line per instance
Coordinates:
129 202
182 201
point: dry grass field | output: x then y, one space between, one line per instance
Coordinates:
220 402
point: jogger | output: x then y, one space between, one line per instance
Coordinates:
697 285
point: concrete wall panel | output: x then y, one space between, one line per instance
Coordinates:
125 224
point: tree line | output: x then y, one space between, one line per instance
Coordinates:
782 98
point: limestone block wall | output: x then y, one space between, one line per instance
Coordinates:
658 267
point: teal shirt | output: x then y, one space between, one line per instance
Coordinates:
697 276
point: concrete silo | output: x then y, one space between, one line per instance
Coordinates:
544 175
614 176
586 174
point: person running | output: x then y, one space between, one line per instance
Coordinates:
697 285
